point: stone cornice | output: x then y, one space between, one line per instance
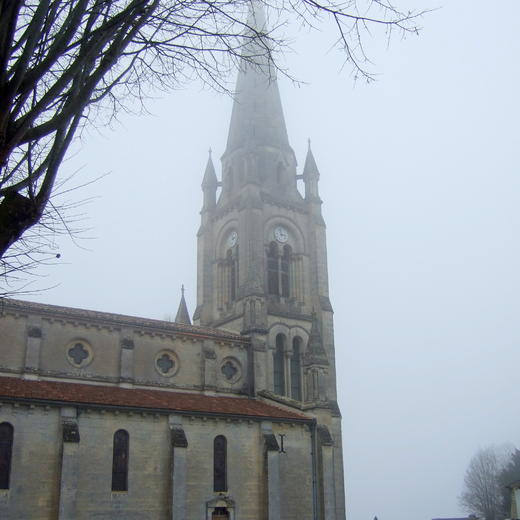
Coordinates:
115 321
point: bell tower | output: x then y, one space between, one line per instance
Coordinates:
262 260
262 256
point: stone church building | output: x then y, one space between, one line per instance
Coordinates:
104 416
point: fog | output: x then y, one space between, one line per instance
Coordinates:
421 191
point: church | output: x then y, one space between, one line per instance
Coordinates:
231 415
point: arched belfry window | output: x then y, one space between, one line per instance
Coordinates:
6 450
279 365
273 283
232 273
120 461
285 262
220 463
296 392
279 270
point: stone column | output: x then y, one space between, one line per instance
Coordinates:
69 464
179 444
273 473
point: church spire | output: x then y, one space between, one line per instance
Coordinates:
257 118
209 185
183 315
311 175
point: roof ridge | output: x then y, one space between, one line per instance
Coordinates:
75 312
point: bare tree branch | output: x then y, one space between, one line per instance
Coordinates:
65 62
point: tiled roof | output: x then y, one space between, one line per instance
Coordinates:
8 304
154 400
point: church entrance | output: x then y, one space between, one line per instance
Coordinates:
220 513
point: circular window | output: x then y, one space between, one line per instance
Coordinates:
166 363
79 353
231 370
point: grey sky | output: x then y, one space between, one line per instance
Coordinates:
419 178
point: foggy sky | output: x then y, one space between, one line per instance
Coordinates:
420 183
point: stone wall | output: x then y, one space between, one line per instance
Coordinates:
53 476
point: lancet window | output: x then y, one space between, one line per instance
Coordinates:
120 461
279 365
279 270
296 392
228 277
287 367
220 463
6 450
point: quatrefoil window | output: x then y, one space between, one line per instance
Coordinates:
230 368
79 353
166 363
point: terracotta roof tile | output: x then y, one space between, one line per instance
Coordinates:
158 400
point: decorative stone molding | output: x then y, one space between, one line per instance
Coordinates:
324 436
34 332
79 353
270 442
178 437
231 369
70 431
127 343
166 363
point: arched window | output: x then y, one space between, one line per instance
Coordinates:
279 365
232 268
284 271
6 450
296 392
120 461
273 284
220 463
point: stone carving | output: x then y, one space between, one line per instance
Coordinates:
70 432
178 437
166 363
34 332
229 370
79 354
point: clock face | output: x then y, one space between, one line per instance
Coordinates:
232 239
280 233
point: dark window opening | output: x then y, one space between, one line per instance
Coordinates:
220 463
220 513
232 263
273 286
278 359
296 392
120 461
6 451
285 266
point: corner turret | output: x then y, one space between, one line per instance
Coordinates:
183 316
209 186
311 176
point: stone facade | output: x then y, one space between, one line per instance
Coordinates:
109 416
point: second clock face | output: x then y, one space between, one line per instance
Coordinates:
232 239
280 233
